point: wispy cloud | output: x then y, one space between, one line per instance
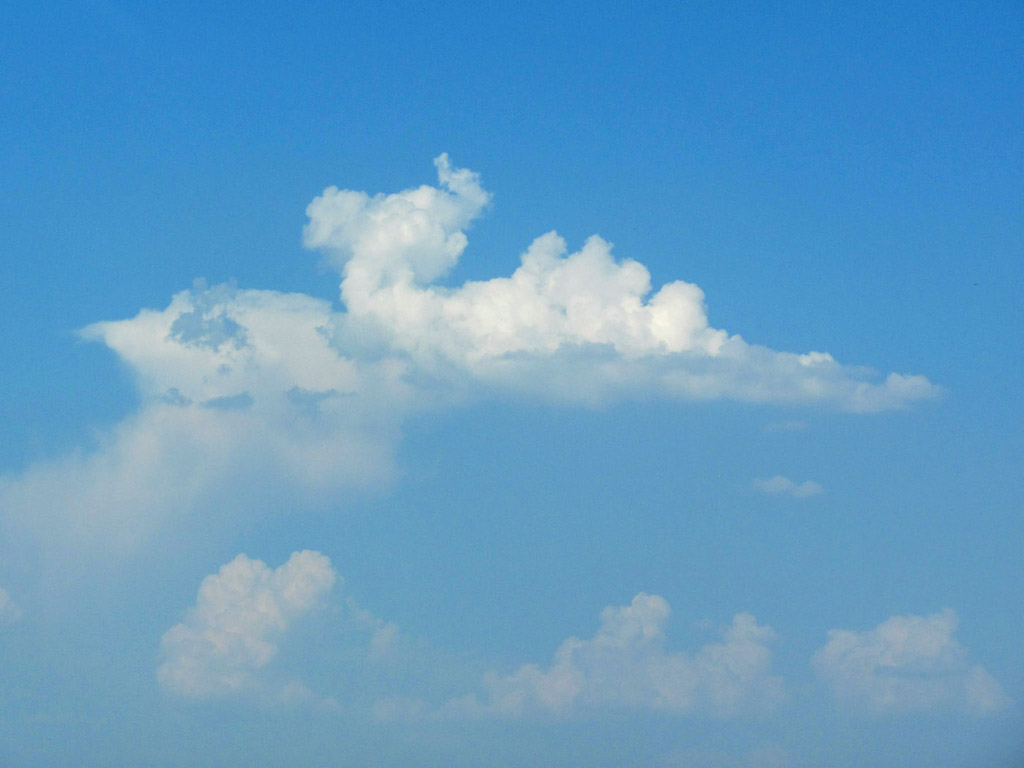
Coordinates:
9 610
905 664
783 486
576 326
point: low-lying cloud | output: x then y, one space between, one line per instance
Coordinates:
227 642
232 632
625 666
907 664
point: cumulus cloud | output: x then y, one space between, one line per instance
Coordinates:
240 616
250 397
9 610
906 664
411 236
625 665
783 486
579 326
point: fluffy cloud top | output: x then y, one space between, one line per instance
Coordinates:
579 325
907 663
783 486
625 665
240 615
415 235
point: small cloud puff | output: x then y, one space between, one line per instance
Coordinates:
240 615
783 486
385 637
625 665
10 612
907 664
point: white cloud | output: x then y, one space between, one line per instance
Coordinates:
414 235
247 403
9 610
577 326
253 397
905 664
625 665
783 486
239 617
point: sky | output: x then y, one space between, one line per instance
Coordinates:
479 384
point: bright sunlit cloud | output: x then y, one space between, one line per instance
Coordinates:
580 326
672 322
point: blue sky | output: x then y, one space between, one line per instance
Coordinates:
563 385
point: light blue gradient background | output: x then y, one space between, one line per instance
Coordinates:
836 178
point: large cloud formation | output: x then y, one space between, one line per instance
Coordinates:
576 325
625 665
251 397
240 615
906 664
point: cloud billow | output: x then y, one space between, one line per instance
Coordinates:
907 664
578 325
625 666
232 632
